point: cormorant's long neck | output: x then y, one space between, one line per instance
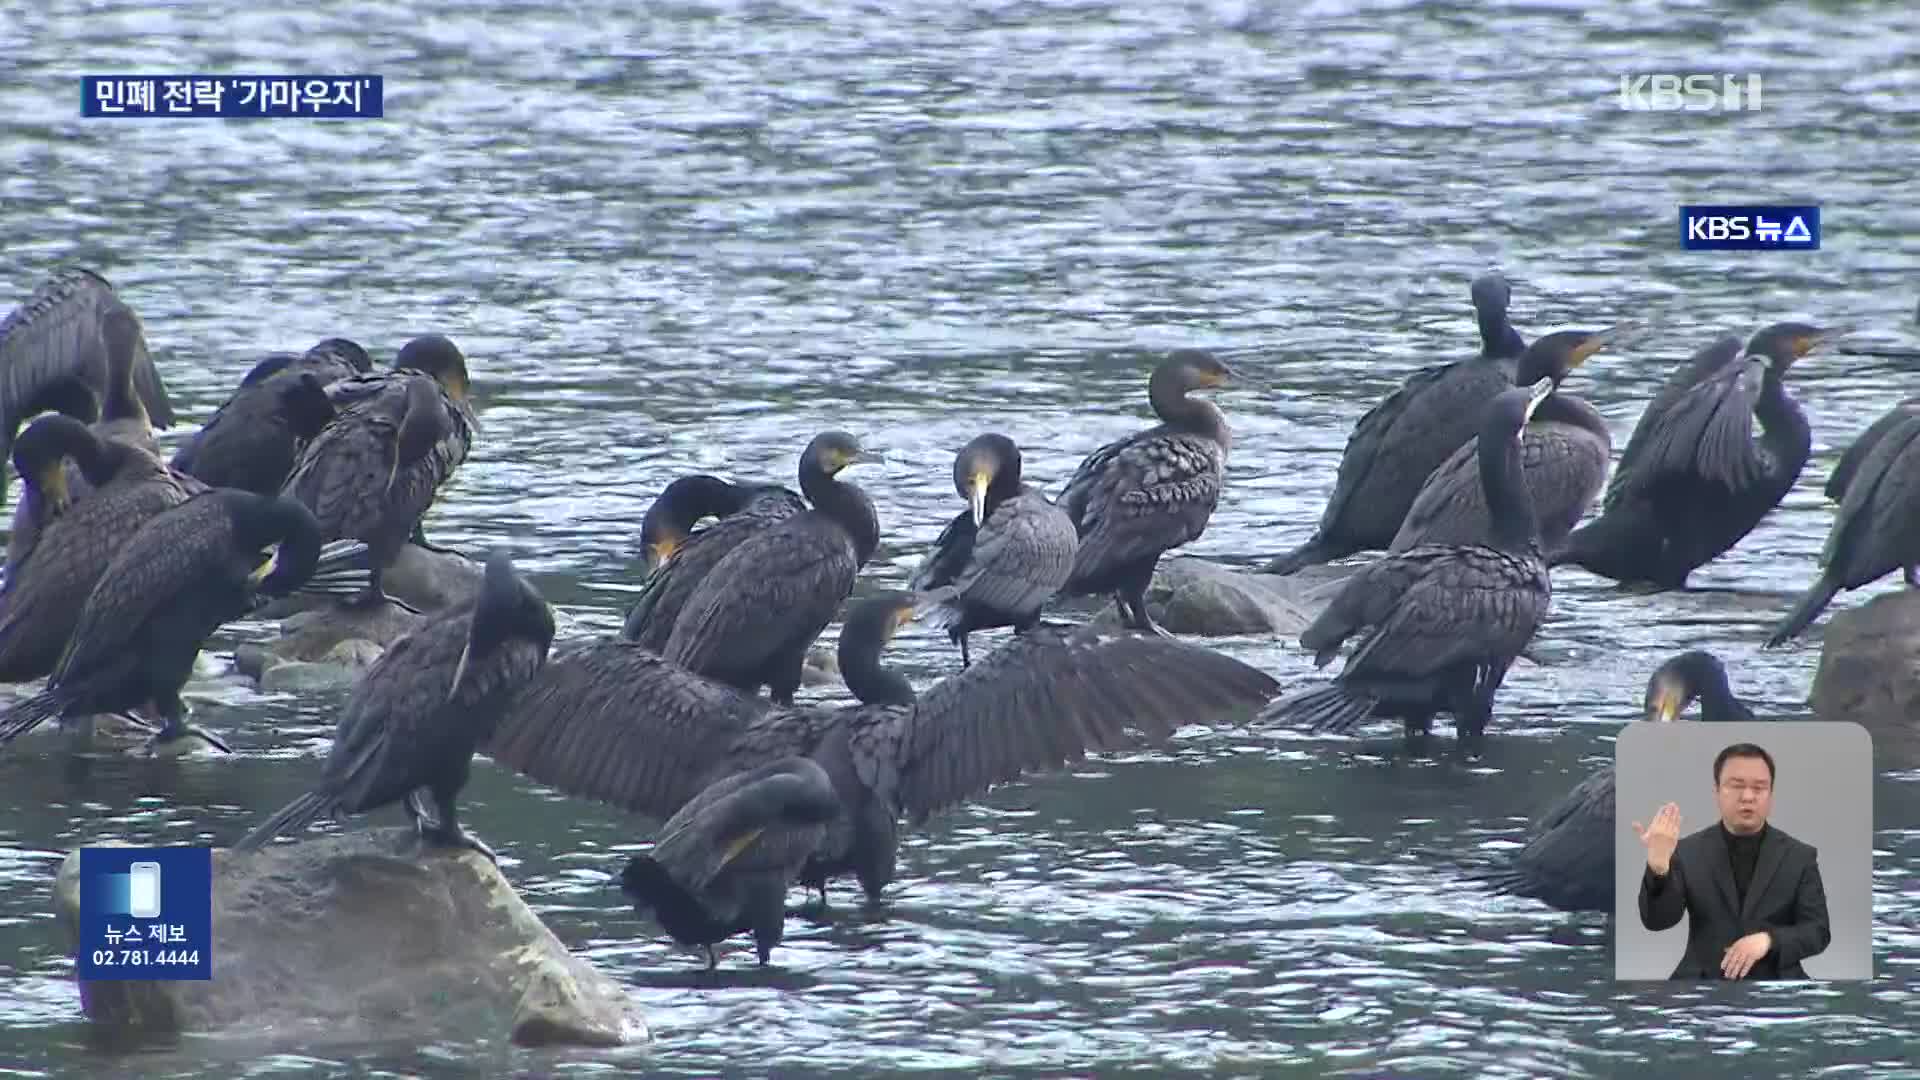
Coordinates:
846 504
1197 415
1784 428
124 347
1718 704
1498 338
1509 504
866 677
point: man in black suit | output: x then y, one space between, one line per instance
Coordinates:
1754 892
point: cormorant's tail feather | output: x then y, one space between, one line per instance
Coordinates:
1329 708
941 606
297 814
31 713
343 569
1815 600
648 885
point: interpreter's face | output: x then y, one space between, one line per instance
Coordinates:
1745 793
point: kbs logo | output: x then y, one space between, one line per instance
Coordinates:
1750 228
1689 93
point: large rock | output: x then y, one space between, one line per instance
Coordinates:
369 936
1870 672
1191 595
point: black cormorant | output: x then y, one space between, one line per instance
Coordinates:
677 557
64 342
752 617
1150 492
374 470
1568 861
54 566
1409 434
1693 480
722 864
1439 624
1003 557
185 573
1564 450
252 441
1876 527
411 723
610 721
1857 451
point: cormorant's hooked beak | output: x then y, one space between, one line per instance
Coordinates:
740 844
1595 342
1667 699
977 494
52 483
261 572
1807 343
663 549
1541 391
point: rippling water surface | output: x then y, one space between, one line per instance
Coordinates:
687 236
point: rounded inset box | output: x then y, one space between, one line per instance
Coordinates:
1744 851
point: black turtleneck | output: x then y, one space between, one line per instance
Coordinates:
1745 853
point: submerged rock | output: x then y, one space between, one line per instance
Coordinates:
822 667
369 936
1190 595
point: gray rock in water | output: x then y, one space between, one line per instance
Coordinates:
1190 595
368 936
822 667
1870 673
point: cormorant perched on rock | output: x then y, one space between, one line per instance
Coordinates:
610 721
1409 434
1001 559
678 558
722 864
61 548
1568 861
752 617
186 572
1876 527
252 441
374 470
62 345
1153 491
1693 479
1439 625
412 721
1564 453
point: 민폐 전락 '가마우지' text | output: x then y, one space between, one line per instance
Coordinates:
321 97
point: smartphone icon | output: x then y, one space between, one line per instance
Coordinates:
143 890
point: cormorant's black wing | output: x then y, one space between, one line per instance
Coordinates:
1414 402
762 819
1849 463
1155 492
1569 859
1019 558
45 594
665 592
949 555
63 331
1559 461
610 721
777 584
1712 358
1877 524
1046 698
175 552
1431 608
